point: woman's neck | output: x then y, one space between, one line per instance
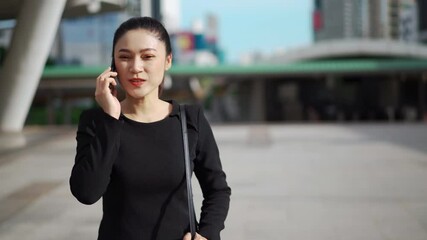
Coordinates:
145 109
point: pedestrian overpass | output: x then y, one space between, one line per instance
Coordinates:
71 83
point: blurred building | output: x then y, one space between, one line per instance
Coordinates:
198 46
88 40
345 32
386 19
337 19
407 20
422 9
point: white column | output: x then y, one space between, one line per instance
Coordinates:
32 39
146 8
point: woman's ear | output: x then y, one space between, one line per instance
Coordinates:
168 64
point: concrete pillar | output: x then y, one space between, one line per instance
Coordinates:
258 100
50 110
32 39
67 108
389 97
422 98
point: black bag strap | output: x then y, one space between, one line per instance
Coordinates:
191 216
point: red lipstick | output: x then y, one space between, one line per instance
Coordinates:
137 82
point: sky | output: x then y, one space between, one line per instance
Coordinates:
245 26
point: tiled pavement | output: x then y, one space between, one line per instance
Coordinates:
289 182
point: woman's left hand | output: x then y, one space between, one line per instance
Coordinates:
197 237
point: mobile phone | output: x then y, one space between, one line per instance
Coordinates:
113 65
113 69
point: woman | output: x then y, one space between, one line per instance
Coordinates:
130 152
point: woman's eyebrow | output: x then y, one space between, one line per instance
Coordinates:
148 49
124 50
142 50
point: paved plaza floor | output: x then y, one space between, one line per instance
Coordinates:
291 181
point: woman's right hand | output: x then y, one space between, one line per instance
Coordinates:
197 237
105 96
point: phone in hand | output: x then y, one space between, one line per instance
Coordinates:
113 69
113 65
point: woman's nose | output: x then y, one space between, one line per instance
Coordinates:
137 65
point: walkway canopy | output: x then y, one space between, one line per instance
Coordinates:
354 48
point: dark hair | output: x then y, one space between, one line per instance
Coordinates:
146 23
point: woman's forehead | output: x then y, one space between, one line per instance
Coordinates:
139 38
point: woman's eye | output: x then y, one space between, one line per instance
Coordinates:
124 57
148 57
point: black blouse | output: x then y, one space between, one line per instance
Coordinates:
139 170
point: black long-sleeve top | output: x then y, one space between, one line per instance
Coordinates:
139 171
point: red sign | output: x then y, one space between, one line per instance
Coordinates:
317 20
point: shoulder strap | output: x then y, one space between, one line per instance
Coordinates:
187 171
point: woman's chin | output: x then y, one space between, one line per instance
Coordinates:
139 94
